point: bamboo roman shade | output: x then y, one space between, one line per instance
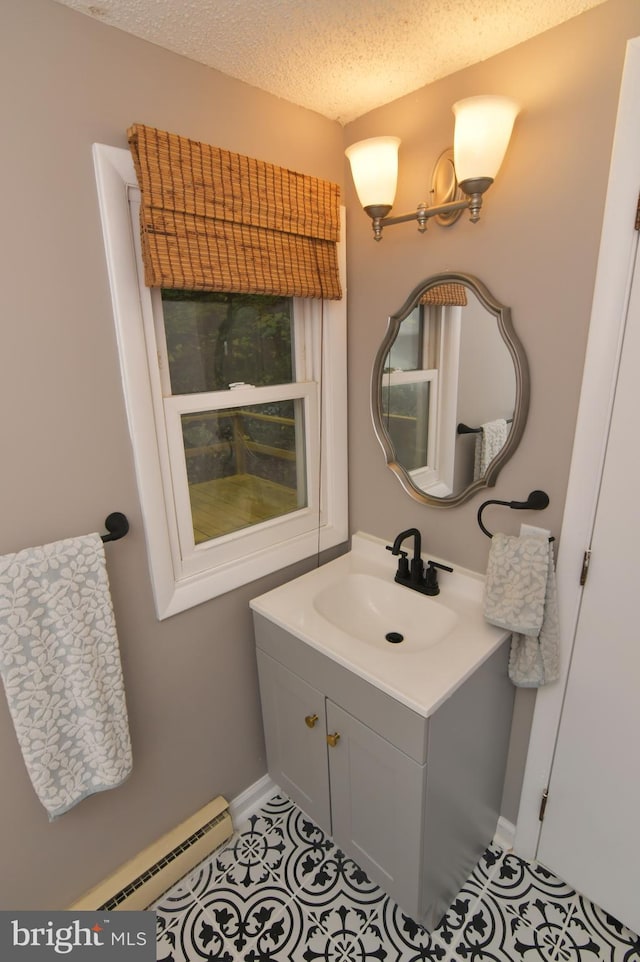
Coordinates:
212 220
446 295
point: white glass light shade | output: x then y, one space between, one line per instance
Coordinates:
374 168
482 134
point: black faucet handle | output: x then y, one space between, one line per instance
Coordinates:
431 576
403 564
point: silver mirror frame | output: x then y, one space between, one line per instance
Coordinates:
502 315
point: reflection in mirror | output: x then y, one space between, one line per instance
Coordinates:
449 390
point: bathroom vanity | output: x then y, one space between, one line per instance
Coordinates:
397 750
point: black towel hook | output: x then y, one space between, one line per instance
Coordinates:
117 525
537 501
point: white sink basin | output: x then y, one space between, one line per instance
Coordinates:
383 613
346 609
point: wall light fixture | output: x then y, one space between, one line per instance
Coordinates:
460 177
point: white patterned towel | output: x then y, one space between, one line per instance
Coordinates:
60 664
489 443
520 595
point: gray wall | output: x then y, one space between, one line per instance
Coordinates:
536 249
66 454
66 458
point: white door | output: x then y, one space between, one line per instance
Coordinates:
591 831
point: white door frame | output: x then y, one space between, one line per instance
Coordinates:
611 294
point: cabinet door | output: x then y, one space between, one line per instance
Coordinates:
377 797
294 722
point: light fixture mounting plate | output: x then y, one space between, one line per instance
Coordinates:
444 188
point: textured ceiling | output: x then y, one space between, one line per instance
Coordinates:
341 58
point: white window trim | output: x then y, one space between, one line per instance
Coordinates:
176 590
449 364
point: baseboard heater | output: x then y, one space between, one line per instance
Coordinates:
143 879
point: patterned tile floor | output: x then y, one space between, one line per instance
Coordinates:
280 891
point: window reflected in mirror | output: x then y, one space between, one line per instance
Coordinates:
409 382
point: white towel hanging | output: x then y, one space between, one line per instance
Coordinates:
520 595
489 442
60 665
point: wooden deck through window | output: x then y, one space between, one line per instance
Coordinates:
230 504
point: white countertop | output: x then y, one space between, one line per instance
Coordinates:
421 679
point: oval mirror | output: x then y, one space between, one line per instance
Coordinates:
450 389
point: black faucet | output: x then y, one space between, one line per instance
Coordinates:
413 575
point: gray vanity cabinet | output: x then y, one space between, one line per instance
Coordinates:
413 800
373 810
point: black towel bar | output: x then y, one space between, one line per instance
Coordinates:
465 429
117 525
537 501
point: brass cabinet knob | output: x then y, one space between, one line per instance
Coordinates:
310 720
333 739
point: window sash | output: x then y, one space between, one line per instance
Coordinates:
411 377
427 472
302 322
193 558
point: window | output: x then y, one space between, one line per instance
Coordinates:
230 399
419 393
409 387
